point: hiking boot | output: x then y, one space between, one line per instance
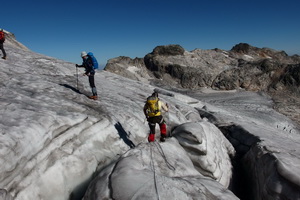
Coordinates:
151 137
162 139
93 97
4 57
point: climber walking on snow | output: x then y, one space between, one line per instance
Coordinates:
2 39
89 62
152 111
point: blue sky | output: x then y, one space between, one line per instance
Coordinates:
112 28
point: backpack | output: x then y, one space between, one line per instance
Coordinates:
2 36
95 63
153 106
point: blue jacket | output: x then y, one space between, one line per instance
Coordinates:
88 65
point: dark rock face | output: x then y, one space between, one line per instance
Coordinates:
244 66
264 75
241 48
169 50
253 76
291 77
260 53
188 69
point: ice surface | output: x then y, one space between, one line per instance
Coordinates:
4 195
271 141
200 139
155 171
53 139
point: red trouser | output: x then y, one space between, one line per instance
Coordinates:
162 125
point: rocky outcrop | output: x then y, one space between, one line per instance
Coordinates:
130 68
244 66
170 50
249 75
188 69
244 50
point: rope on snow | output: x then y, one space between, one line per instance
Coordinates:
152 164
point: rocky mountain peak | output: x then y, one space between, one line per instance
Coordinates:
256 53
243 48
168 50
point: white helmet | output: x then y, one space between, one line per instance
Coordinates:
83 54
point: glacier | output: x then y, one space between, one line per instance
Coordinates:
55 143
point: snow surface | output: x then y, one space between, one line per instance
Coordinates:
155 171
200 140
54 140
272 140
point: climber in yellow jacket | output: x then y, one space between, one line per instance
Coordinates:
152 111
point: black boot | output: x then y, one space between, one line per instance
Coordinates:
162 138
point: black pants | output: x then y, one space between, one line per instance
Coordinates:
92 84
92 81
2 49
162 125
152 121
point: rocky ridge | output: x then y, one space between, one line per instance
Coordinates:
243 67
